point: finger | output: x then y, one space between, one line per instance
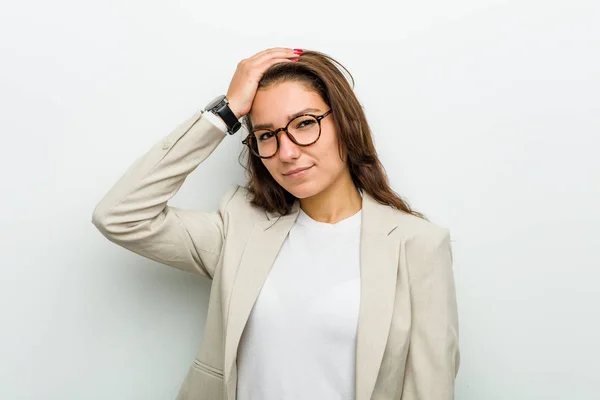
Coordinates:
270 62
274 53
274 50
266 61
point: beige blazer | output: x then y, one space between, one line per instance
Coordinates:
407 338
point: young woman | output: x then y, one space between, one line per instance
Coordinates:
325 284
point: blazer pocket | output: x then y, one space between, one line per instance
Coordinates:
199 365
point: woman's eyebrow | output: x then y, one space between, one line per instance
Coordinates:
290 117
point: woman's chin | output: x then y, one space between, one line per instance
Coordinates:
302 190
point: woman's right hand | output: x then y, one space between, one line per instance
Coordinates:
244 83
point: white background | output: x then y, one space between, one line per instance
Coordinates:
485 114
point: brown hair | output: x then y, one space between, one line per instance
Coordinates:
319 73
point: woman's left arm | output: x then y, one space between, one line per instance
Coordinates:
433 356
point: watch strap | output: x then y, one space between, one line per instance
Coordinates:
222 110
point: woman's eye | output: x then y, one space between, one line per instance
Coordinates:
306 123
265 136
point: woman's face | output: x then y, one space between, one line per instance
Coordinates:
320 162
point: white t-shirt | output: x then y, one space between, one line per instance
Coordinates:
300 339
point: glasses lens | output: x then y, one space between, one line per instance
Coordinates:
305 129
263 143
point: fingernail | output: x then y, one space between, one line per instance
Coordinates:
295 59
298 51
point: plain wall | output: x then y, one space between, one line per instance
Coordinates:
485 114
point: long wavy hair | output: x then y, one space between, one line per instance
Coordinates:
320 72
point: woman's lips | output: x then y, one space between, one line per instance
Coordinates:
297 173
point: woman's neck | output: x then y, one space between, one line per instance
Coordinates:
337 202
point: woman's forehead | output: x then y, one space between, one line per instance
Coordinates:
277 104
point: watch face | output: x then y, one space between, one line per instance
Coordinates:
216 101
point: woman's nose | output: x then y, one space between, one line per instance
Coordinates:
288 150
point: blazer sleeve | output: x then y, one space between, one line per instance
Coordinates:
433 357
135 215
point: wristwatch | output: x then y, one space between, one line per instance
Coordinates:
220 106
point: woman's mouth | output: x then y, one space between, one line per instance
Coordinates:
297 173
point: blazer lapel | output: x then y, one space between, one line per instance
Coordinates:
378 269
265 240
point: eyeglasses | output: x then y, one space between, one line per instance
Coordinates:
303 130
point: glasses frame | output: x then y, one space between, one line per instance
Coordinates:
251 136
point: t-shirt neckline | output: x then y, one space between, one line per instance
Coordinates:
348 222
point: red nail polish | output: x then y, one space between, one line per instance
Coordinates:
295 59
298 51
